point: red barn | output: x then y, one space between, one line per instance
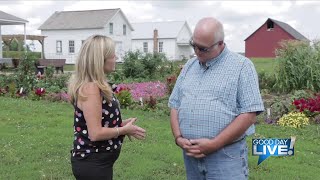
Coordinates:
265 40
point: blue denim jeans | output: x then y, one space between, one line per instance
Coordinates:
230 162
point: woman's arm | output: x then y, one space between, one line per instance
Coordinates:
92 111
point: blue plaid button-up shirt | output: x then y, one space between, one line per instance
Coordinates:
209 97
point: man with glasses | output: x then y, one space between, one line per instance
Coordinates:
213 107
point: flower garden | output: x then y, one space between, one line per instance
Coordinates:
143 85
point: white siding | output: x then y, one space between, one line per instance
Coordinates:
65 36
184 34
175 47
123 43
184 50
169 46
138 45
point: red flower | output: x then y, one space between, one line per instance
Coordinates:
40 91
296 102
122 88
312 104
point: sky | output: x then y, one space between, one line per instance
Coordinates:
239 18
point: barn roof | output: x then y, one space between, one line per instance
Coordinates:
87 19
294 33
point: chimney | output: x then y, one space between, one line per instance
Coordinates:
155 41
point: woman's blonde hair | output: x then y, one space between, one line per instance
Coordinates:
89 67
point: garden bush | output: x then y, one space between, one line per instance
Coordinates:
298 94
20 54
279 105
124 97
116 77
145 65
25 75
298 66
153 63
132 66
266 80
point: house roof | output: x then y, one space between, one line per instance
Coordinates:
168 29
8 19
294 33
88 19
20 37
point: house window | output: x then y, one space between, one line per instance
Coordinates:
71 46
111 28
160 47
145 47
59 46
124 29
270 26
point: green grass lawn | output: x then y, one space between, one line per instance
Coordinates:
68 67
36 137
264 64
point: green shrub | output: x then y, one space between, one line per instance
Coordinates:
116 77
152 63
55 83
132 66
266 80
124 97
25 75
49 72
20 54
12 89
5 80
298 94
279 107
298 66
145 65
54 89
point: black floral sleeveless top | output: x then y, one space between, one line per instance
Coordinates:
111 117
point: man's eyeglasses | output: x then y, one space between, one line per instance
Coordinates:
202 49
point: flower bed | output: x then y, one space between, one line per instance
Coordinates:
145 89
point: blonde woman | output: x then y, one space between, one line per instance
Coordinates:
98 126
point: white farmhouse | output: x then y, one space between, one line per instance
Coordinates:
67 30
171 38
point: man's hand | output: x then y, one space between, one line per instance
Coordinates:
200 147
183 143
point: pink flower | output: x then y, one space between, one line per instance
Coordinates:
144 89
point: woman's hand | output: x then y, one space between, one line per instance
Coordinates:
133 130
124 122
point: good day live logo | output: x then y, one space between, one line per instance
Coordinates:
272 147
